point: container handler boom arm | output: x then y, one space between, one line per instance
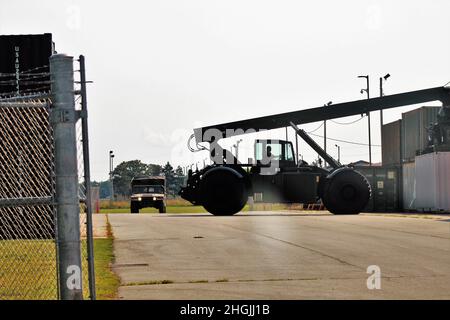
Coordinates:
325 113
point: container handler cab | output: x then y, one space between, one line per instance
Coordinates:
223 188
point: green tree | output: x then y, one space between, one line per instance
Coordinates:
169 174
179 172
155 169
126 171
179 179
104 191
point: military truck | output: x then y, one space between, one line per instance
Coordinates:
148 192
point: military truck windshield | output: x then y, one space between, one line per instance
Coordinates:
148 189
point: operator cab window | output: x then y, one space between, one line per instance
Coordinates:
270 150
289 155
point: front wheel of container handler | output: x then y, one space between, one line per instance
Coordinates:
346 191
223 191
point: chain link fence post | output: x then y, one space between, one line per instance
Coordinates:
63 117
87 180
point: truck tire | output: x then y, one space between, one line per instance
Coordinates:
162 208
134 207
346 191
223 191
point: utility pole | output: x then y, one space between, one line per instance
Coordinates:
339 153
367 90
381 95
111 168
325 130
236 147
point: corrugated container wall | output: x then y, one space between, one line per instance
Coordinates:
391 144
409 185
414 130
433 182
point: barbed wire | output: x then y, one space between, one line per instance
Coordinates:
11 94
24 72
27 78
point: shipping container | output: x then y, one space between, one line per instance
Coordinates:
409 186
24 134
433 182
24 63
384 182
391 143
414 135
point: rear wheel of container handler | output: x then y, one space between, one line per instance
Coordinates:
223 191
346 192
134 207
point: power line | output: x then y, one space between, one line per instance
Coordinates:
346 123
346 141
321 125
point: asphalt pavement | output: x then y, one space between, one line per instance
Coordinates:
281 255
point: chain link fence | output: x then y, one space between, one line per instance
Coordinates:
27 215
36 256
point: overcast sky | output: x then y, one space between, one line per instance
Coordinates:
161 68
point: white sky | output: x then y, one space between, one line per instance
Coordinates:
162 68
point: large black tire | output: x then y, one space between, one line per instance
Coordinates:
162 208
134 207
346 191
223 191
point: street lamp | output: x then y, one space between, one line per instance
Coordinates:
111 168
325 128
381 110
339 153
381 95
367 90
236 147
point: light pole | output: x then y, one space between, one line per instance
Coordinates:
339 153
381 95
367 90
111 168
236 147
325 129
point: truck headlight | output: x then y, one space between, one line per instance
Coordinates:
154 198
139 199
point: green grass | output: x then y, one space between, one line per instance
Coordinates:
28 269
148 283
106 281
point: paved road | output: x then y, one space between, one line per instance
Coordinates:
280 256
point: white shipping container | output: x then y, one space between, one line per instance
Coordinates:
432 175
409 186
